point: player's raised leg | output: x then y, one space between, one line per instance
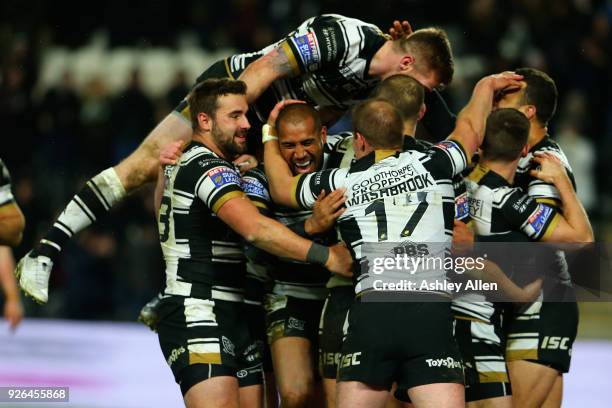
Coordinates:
95 199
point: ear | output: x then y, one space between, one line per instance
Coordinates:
204 122
422 111
525 150
323 134
406 62
360 141
529 111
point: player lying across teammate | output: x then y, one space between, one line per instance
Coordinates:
330 61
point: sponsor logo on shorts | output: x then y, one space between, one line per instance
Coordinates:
242 373
555 343
228 346
351 359
443 362
331 359
174 355
296 324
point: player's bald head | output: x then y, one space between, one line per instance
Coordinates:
505 135
405 93
379 123
298 114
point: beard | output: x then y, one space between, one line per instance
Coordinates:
226 142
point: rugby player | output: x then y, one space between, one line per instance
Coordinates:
377 350
503 213
12 223
203 211
330 61
537 367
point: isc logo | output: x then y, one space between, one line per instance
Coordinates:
555 343
350 359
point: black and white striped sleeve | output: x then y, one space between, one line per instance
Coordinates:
218 182
307 187
446 159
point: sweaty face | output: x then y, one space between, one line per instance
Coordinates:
301 146
230 125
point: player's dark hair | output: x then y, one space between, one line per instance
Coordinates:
298 112
505 135
203 97
433 52
379 122
405 93
540 92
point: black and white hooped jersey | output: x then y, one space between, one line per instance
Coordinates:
536 188
501 213
204 256
392 197
6 195
330 57
293 278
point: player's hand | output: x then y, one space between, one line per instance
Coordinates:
530 292
325 211
245 163
507 81
550 169
340 260
278 107
170 153
400 30
463 239
13 312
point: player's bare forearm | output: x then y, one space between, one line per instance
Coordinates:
471 122
7 278
278 174
159 190
573 211
12 224
491 272
260 74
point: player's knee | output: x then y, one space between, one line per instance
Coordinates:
296 396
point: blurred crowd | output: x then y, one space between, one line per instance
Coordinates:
54 139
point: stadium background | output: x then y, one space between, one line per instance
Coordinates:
81 84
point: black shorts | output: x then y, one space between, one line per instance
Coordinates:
256 319
288 316
543 332
482 350
331 333
410 343
205 338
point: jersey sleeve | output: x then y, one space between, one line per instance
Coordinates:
307 187
218 183
326 41
545 192
255 185
6 196
535 219
446 159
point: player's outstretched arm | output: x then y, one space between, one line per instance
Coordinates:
471 122
12 224
274 65
573 226
273 237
